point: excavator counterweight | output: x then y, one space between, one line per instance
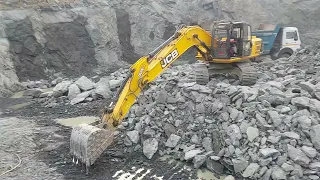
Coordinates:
88 142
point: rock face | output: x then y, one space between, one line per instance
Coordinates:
9 81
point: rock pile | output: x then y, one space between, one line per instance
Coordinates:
265 131
76 91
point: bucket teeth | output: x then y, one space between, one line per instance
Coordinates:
88 142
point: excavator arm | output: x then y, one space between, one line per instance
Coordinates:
88 142
148 68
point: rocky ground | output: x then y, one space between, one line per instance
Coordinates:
265 131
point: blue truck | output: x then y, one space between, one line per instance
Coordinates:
278 41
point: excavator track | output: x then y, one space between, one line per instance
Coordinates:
248 74
201 73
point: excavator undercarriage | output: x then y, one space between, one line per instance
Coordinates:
88 142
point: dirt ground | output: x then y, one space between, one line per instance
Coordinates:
36 147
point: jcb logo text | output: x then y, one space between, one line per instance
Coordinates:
167 60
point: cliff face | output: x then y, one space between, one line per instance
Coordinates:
77 37
302 14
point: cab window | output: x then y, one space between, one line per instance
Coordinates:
290 35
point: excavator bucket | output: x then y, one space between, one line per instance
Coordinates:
88 142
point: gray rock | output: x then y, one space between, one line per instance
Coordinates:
234 133
84 83
149 132
61 88
313 177
103 89
195 139
287 167
278 173
46 94
215 166
161 97
307 86
285 110
304 121
297 155
233 113
267 175
198 160
80 97
127 141
173 141
250 170
191 154
207 144
56 81
265 162
309 151
229 178
282 159
169 129
73 91
150 147
189 148
244 126
133 136
291 135
215 158
262 171
113 84
301 102
252 133
315 136
315 166
275 117
298 171
274 139
261 120
263 141
269 152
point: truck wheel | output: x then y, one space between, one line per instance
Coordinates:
285 55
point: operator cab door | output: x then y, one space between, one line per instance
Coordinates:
246 40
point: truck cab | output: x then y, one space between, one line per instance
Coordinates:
279 42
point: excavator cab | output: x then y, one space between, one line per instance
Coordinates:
231 40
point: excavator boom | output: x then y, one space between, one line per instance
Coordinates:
91 144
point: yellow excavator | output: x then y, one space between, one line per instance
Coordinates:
227 47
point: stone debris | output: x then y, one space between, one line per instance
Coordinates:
150 147
297 155
191 154
278 173
198 160
84 83
173 141
73 91
315 136
309 151
252 133
61 88
269 130
250 170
